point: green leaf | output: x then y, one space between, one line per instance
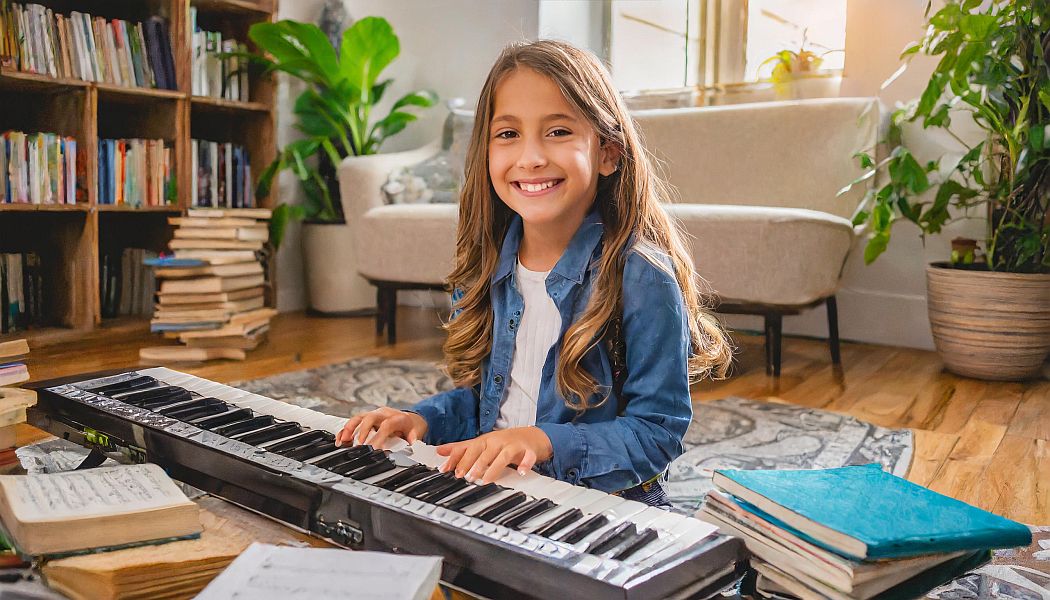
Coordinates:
368 47
861 218
977 26
910 49
279 219
866 162
262 187
424 98
378 90
876 246
391 124
300 49
1037 137
908 173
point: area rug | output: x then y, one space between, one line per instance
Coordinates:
734 433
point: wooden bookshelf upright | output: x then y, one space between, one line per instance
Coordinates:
70 238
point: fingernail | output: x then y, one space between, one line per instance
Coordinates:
338 443
521 472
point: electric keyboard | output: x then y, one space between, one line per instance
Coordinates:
520 536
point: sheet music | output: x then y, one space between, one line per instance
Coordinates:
265 572
91 492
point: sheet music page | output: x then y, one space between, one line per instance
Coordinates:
265 572
91 492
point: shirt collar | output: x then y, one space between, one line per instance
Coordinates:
573 262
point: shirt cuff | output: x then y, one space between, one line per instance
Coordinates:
570 448
435 418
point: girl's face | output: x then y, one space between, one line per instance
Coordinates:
544 158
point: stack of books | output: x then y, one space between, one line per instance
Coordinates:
13 401
36 39
211 296
37 168
852 532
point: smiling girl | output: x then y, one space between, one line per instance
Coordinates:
577 317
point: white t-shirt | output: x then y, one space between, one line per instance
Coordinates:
538 330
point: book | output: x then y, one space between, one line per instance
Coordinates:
168 298
201 222
216 257
190 244
13 373
864 513
216 213
266 572
210 284
189 354
106 507
260 233
229 270
13 348
248 341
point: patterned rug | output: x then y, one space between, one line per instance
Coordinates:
728 433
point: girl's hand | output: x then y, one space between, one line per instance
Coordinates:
485 456
387 422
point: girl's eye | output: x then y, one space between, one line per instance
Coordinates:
560 132
506 135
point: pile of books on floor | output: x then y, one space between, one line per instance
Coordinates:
211 296
36 39
13 401
852 532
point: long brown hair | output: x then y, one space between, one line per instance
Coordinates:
629 204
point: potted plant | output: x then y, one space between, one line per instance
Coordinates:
990 318
335 116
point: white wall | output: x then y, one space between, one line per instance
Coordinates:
446 45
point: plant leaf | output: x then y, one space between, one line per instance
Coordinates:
368 47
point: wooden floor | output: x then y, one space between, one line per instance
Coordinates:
982 442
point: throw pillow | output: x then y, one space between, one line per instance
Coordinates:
438 178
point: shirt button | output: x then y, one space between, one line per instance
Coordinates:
512 324
517 313
572 474
487 412
498 379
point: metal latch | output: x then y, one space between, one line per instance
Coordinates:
341 532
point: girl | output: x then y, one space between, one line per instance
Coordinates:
577 319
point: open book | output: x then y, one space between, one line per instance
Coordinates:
59 513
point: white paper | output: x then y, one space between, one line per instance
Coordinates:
91 492
265 572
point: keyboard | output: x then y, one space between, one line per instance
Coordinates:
520 536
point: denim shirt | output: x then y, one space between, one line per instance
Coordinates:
597 448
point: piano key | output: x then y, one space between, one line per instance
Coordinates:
629 547
384 466
232 416
612 538
191 403
691 533
541 506
587 496
302 440
245 426
457 485
471 496
423 484
276 431
195 409
350 463
307 453
137 397
502 506
584 529
602 504
165 401
130 384
399 479
557 523
342 455
480 505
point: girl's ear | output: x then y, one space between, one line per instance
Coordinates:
609 158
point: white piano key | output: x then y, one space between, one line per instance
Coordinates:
601 504
587 497
669 521
626 511
690 533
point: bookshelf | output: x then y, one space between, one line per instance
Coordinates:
71 238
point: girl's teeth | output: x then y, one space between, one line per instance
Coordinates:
536 187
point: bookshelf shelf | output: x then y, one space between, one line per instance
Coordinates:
71 239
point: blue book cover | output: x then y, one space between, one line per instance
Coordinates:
865 513
171 261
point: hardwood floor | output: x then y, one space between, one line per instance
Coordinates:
982 442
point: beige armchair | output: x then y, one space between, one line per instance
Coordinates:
756 184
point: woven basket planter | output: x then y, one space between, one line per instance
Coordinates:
989 325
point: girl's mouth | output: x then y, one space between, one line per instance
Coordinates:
537 189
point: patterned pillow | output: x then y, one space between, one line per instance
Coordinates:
438 178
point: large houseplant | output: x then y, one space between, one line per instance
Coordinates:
990 319
335 111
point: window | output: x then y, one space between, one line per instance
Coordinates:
817 26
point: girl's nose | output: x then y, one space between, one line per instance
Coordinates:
532 155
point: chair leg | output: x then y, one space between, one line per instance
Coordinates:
391 315
774 326
833 329
380 308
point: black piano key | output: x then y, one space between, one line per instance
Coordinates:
401 477
233 416
612 538
307 452
445 491
160 402
137 396
426 485
340 457
584 529
528 513
245 426
303 440
190 405
464 500
276 431
205 410
131 384
558 523
379 468
501 506
353 463
626 549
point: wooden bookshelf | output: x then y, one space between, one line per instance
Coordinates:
69 238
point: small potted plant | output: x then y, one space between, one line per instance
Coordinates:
990 306
335 116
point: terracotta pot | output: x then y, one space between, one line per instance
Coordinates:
332 283
989 325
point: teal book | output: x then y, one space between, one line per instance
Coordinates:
864 513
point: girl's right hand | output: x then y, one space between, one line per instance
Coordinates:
386 422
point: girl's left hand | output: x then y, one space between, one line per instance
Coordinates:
485 456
